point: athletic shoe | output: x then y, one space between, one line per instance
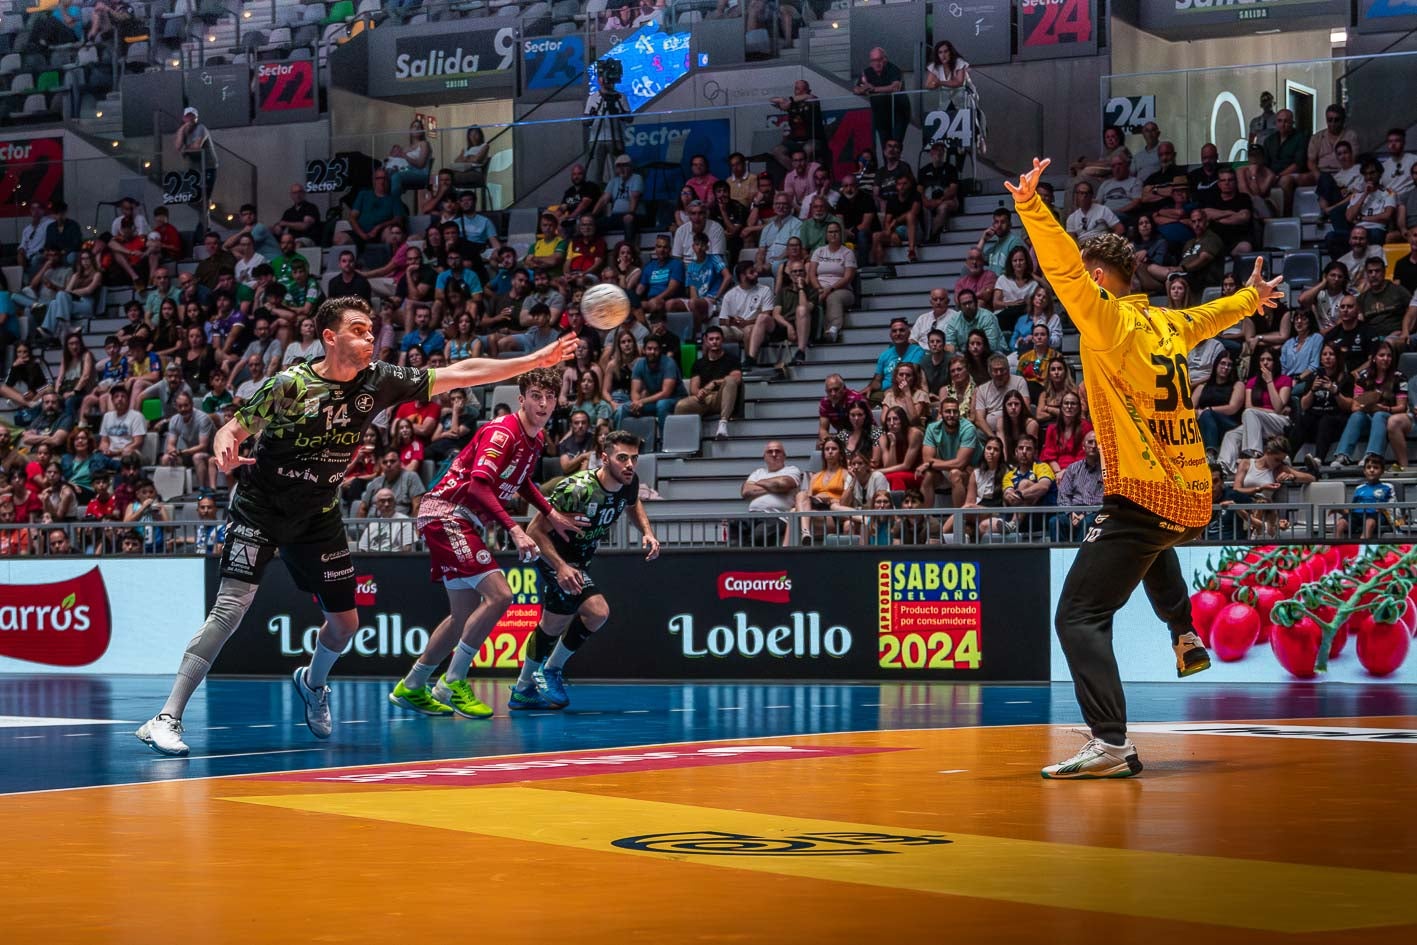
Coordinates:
419 700
458 694
722 433
317 705
551 683
1191 657
1340 461
530 699
1097 760
1312 464
163 735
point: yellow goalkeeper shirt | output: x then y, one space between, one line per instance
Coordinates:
1134 367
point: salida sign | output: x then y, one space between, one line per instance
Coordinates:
64 623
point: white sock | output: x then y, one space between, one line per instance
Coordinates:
558 657
189 676
418 677
323 660
461 662
524 678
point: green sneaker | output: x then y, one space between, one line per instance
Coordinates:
458 694
421 700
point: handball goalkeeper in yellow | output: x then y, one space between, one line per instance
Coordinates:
1156 482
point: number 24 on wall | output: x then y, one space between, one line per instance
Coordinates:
1050 22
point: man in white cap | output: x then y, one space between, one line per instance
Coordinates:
194 142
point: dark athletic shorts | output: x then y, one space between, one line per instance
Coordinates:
557 601
311 542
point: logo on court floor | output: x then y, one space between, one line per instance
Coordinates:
65 623
718 843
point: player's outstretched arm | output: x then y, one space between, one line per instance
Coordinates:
1205 321
226 446
471 372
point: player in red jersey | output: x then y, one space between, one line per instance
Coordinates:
491 470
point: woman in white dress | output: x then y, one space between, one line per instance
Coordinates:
948 73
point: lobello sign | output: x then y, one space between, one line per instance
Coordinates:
797 635
383 635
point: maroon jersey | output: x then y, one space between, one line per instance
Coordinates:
500 455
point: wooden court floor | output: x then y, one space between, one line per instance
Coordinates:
1283 829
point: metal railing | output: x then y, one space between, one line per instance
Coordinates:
1286 522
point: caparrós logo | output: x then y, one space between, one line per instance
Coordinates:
65 623
774 587
365 589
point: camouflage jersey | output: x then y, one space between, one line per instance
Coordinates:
581 494
310 427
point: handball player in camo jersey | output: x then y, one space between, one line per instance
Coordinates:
573 608
492 470
308 420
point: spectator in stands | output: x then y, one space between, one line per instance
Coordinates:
771 488
1404 271
773 237
1089 218
548 252
306 347
121 432
1259 478
1080 484
423 335
576 449
265 344
393 533
585 254
541 332
1267 409
1099 167
1121 192
682 246
301 219
189 441
14 542
26 380
77 301
209 538
617 366
1039 310
144 367
1367 522
1352 338
247 259
1148 158
1231 213
1299 353
285 258
1263 124
619 207
902 218
889 172
1269 328
165 392
799 181
731 215
254 374
1385 305
742 183
406 486
744 304
406 443
579 198
1015 419
161 290
821 187
1205 175
898 449
825 490
1398 165
265 241
1028 482
50 426
1286 154
862 484
215 261
761 210
977 278
1360 249
939 188
1063 439
662 278
1322 150
1219 398
700 180
348 281
1015 287
1322 297
589 399
707 279
62 233
1325 407
655 386
194 143
1371 207
804 130
879 82
1203 256
998 241
374 210
29 254
1057 385
833 408
932 319
790 318
1407 210
1379 410
900 349
1157 183
813 233
908 393
715 382
1035 363
989 397
969 318
947 454
857 210
949 73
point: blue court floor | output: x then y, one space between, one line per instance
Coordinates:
61 732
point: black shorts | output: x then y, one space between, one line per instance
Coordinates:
557 601
311 542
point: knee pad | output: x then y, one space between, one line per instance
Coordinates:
233 599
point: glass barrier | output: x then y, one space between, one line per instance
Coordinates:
1194 107
510 163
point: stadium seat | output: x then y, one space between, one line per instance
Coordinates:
648 470
503 394
682 433
1283 233
340 12
171 481
682 325
1306 205
35 105
647 429
1302 269
1211 293
1407 363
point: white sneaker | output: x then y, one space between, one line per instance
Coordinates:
831 334
722 433
317 705
163 735
1097 759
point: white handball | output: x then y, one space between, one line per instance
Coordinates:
605 306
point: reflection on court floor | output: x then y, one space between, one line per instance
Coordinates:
682 813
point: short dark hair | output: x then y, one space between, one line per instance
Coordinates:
539 309
1112 252
1026 436
331 312
544 378
713 330
620 438
248 206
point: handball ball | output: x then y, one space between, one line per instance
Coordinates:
605 306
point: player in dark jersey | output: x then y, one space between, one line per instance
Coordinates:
491 470
309 420
572 606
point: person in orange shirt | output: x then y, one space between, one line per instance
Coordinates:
1156 483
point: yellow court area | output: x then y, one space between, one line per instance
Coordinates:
1263 834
